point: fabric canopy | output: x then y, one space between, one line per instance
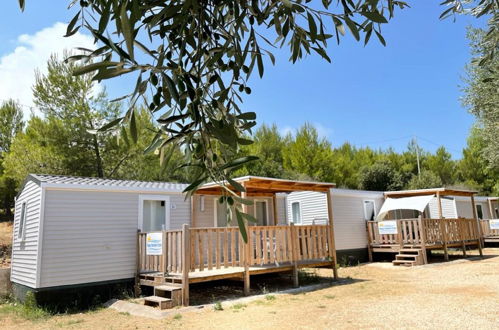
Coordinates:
406 203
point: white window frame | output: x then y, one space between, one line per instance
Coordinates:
266 208
364 208
21 231
163 198
301 214
481 209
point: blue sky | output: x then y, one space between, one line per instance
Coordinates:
370 96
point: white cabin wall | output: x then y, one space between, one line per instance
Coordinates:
25 252
348 213
90 236
448 208
464 209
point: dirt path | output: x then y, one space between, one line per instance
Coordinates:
455 295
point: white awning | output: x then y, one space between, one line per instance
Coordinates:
405 203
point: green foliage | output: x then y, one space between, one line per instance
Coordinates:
62 142
473 170
426 179
218 306
29 310
11 122
381 176
481 93
196 59
309 156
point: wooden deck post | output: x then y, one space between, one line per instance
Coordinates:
136 288
369 241
479 231
274 202
422 237
491 209
443 229
247 250
439 200
186 259
332 248
294 254
164 253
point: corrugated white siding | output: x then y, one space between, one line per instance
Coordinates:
348 214
349 223
24 253
448 208
313 207
464 209
90 236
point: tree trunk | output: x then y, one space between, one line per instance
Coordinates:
98 159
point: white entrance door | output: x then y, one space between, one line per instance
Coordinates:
154 213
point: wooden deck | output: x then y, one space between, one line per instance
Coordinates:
426 234
194 255
490 235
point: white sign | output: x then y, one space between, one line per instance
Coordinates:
154 244
387 227
494 224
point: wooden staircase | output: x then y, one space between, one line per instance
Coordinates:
409 257
167 291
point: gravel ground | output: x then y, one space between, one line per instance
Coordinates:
454 295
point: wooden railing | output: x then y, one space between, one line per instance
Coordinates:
216 248
486 231
434 231
171 249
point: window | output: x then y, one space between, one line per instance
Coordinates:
22 222
154 213
201 203
296 213
496 210
369 210
479 211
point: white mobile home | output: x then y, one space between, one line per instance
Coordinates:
72 230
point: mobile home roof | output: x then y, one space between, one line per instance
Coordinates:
91 183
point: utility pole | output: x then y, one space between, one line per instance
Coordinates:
417 156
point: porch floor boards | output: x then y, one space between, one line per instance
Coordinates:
238 272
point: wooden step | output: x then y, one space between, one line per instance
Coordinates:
168 287
406 256
415 251
403 262
162 303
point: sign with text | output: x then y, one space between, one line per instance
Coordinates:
387 227
494 224
154 244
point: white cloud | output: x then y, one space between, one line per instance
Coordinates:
17 69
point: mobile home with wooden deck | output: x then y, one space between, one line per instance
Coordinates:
74 232
70 231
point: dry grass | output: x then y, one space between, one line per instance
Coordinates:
455 295
5 233
5 243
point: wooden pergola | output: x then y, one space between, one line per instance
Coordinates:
256 186
439 193
430 233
